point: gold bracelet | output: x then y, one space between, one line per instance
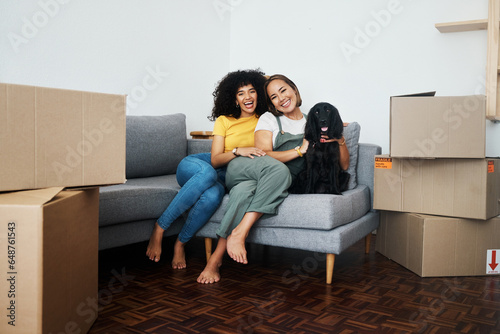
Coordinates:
343 143
298 151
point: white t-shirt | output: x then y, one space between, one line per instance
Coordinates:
268 122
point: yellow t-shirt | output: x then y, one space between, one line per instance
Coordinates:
237 132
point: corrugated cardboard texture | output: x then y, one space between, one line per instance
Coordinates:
433 246
438 127
55 253
54 137
464 188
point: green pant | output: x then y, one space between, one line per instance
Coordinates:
256 185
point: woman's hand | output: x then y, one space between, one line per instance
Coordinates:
304 146
250 152
324 139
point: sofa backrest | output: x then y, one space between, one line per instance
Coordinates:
155 144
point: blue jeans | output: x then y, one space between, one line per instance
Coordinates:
202 190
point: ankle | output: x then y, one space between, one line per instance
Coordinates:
239 234
158 230
178 248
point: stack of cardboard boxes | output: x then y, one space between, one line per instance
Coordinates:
438 192
56 147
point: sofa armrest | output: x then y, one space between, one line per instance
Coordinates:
366 160
198 146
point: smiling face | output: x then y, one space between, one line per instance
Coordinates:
282 96
246 98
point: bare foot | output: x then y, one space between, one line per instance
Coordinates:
154 247
236 247
236 241
179 260
210 274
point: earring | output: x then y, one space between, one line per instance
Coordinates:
237 105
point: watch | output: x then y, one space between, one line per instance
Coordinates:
235 151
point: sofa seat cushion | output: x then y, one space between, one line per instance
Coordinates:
313 211
333 241
137 199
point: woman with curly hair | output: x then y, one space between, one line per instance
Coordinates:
239 100
257 186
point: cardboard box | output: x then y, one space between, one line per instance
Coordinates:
438 127
54 137
464 188
49 258
433 246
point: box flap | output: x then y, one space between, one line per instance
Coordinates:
30 197
417 94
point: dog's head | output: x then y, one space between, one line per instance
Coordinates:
323 119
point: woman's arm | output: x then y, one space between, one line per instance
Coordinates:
264 141
220 158
344 153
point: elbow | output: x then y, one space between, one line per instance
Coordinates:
345 166
344 161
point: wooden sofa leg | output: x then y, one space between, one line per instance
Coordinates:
208 248
368 239
330 261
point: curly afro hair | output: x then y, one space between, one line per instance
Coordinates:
225 93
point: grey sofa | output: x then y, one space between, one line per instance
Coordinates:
156 144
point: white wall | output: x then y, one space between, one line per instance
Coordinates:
391 48
354 54
166 55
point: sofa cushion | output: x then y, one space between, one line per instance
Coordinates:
313 211
137 199
155 144
334 241
351 135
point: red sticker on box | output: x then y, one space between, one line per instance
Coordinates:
491 166
492 256
383 163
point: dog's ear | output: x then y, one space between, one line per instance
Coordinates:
312 129
336 124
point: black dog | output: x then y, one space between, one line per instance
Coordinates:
322 174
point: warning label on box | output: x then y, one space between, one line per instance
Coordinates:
491 166
492 265
383 163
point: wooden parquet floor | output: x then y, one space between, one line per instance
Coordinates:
284 291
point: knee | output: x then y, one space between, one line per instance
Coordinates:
208 171
206 178
244 189
282 174
279 170
214 194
